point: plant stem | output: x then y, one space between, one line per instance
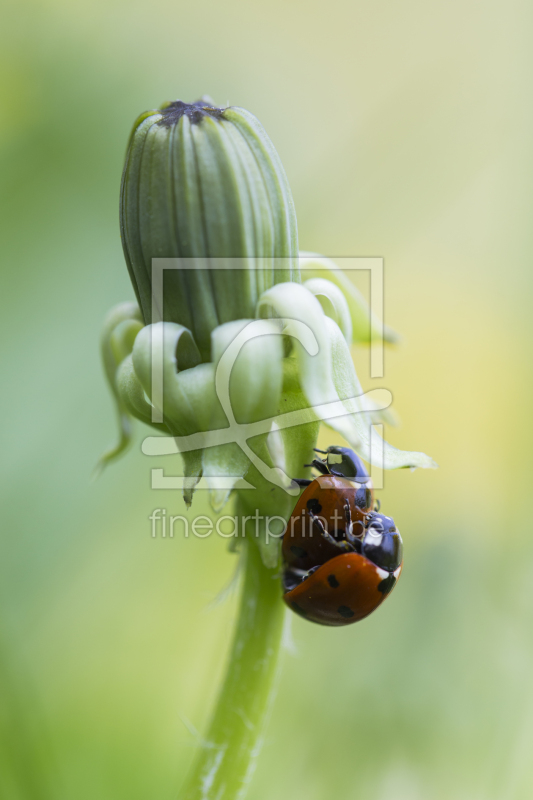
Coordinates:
224 766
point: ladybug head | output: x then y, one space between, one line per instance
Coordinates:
342 461
382 543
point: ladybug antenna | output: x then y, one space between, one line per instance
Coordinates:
324 452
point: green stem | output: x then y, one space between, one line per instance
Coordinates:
225 764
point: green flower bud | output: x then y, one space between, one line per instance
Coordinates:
205 182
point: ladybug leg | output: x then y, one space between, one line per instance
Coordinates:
342 545
349 523
319 465
294 576
351 537
310 572
377 506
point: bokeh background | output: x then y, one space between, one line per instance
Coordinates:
405 130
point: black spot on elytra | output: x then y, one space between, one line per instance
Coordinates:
387 584
299 552
333 582
313 506
299 610
346 612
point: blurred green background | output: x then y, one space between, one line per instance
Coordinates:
405 130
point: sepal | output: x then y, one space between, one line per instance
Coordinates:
119 330
366 327
329 380
334 304
248 358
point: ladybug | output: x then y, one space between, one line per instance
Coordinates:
341 558
345 463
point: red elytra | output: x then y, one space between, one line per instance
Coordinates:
344 590
303 545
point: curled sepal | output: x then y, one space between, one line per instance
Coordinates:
335 306
162 351
193 469
224 466
382 416
248 357
358 429
329 381
181 390
333 303
299 440
366 327
313 362
191 402
132 395
119 331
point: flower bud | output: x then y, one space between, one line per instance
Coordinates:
205 182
